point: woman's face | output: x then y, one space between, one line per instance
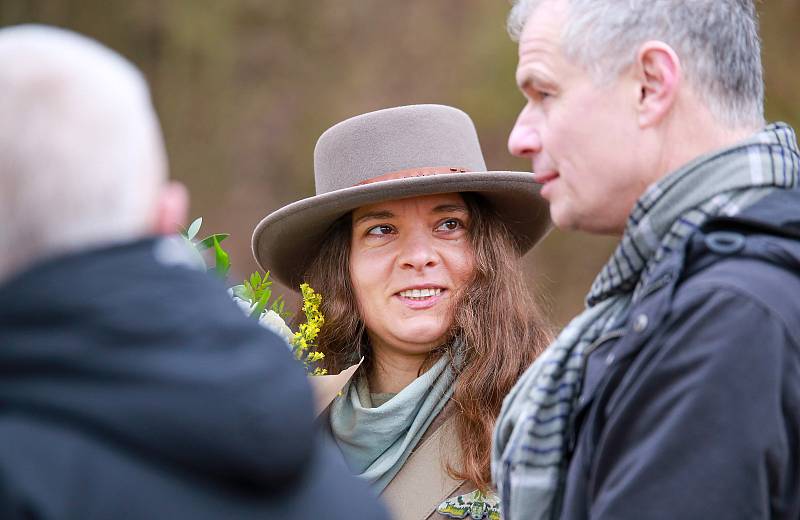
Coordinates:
408 259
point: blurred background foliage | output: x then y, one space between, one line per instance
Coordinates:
245 87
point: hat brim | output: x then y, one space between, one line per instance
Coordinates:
286 239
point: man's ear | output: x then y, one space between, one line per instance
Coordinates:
172 209
659 75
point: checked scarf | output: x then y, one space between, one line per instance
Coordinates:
530 440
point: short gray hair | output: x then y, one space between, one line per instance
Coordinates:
716 40
81 152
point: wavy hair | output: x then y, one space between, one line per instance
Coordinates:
500 326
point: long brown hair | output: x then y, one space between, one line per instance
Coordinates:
500 326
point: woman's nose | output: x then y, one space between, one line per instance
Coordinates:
418 252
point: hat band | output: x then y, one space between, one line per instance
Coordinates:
426 171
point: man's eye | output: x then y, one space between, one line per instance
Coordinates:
537 96
383 229
450 224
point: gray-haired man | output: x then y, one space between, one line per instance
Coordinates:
132 386
676 393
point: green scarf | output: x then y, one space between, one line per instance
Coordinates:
377 441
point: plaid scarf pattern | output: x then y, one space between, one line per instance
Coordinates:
529 458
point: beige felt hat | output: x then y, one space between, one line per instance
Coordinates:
394 154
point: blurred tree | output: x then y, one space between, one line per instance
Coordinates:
245 87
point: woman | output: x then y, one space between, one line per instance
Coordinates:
415 248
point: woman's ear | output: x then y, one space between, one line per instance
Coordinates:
659 76
172 209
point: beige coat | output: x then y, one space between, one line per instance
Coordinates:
428 478
403 499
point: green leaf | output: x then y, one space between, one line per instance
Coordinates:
265 281
249 293
208 242
259 284
279 307
194 227
261 305
223 264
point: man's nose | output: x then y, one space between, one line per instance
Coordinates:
418 251
525 140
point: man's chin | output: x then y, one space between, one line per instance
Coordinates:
595 223
563 218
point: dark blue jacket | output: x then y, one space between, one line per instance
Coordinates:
133 387
691 407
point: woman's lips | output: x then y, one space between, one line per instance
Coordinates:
419 303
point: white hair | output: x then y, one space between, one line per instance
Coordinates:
81 152
716 40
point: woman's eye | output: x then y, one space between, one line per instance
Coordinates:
450 224
383 229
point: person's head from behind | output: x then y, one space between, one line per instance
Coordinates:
619 93
415 249
82 160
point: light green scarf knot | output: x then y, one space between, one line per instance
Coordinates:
377 441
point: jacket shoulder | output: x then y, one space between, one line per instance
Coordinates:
48 470
767 274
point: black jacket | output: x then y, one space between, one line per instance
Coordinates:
691 407
132 387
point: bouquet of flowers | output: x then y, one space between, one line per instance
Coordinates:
254 296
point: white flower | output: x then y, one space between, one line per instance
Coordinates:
269 319
243 304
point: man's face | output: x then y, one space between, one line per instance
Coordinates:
581 137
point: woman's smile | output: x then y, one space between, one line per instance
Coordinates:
420 298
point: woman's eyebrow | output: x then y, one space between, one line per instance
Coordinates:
374 215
